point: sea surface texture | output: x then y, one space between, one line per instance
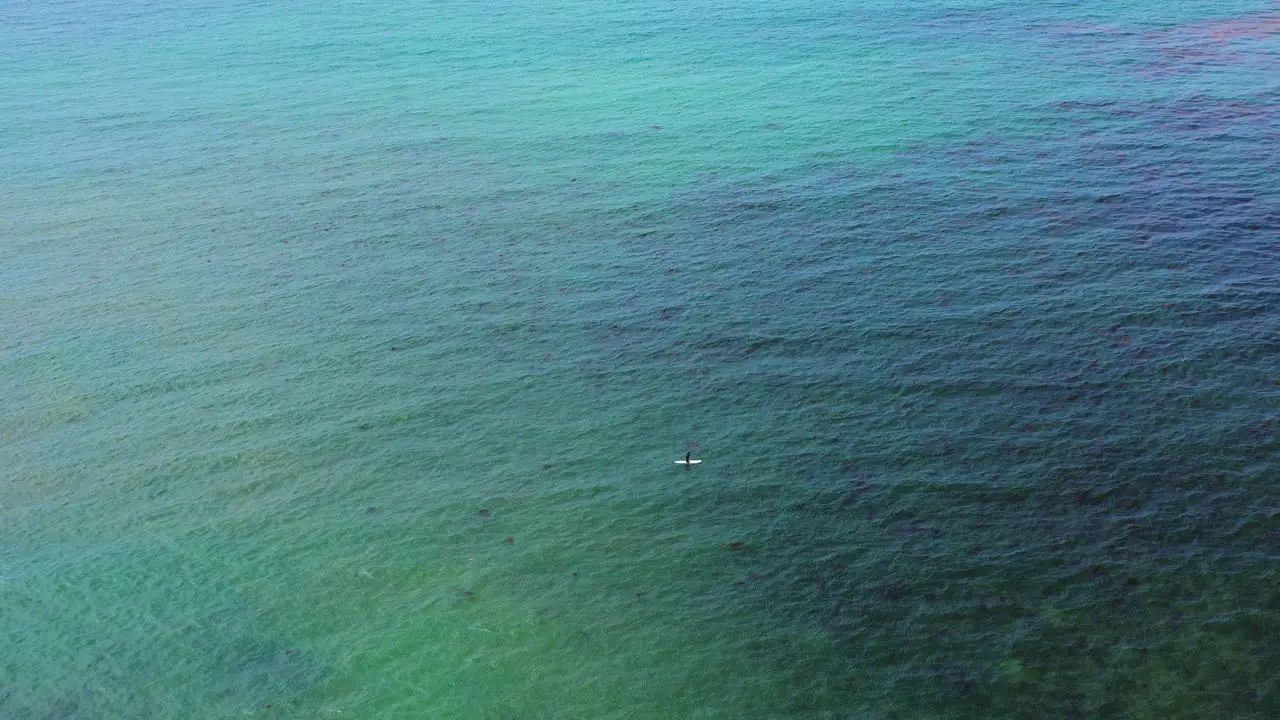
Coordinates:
346 349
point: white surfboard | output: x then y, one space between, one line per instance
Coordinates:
691 462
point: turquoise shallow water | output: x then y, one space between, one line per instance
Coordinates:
344 352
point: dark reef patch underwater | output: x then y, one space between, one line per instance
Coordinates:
1036 484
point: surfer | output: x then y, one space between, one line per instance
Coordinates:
688 460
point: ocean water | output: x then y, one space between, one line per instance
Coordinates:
345 350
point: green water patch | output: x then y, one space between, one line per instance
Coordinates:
141 629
